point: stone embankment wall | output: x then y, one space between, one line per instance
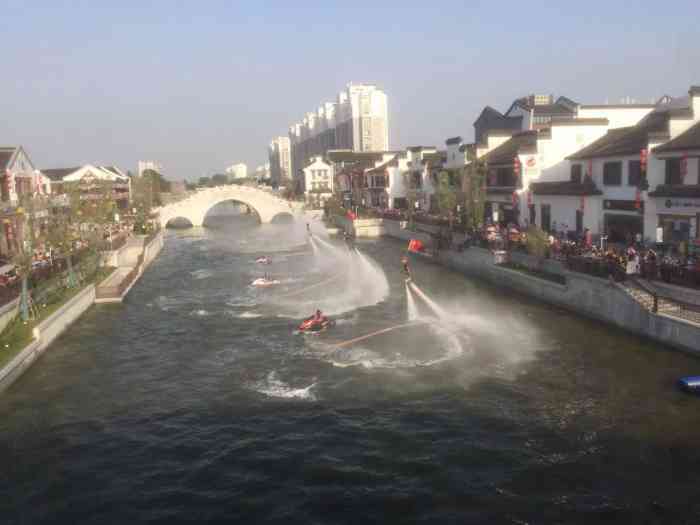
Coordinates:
50 328
45 333
7 313
590 296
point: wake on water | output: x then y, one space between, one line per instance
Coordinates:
272 386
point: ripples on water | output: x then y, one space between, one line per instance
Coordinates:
195 401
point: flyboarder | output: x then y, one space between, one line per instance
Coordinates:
405 269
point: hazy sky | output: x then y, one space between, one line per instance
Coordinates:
201 85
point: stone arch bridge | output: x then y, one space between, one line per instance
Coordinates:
195 207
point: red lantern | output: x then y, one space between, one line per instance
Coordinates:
643 159
516 169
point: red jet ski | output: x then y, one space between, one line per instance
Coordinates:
311 324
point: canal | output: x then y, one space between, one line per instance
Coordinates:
197 400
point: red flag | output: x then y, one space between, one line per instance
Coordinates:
414 245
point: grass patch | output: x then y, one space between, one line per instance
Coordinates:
18 334
532 272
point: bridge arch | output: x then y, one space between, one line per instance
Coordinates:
197 204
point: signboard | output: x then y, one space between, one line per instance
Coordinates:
622 205
680 205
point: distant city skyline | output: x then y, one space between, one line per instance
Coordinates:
198 88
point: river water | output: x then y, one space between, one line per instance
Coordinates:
195 400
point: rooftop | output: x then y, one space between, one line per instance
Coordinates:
506 152
689 139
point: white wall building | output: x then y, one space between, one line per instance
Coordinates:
144 165
318 182
237 171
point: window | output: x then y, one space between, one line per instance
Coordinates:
673 171
576 170
634 167
612 174
505 177
546 214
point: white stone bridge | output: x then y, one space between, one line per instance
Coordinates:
195 207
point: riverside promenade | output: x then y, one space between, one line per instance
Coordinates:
130 262
593 297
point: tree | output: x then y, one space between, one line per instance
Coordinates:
219 179
537 244
474 186
204 182
446 194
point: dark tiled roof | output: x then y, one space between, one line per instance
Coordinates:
547 110
346 155
624 141
5 156
486 111
506 152
416 149
57 174
453 140
565 188
391 163
437 157
676 190
689 139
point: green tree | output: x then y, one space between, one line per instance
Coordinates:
446 195
219 179
537 244
474 188
204 182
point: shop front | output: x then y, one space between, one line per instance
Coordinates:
623 220
678 225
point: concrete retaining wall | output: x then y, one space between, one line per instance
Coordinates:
45 333
587 295
7 313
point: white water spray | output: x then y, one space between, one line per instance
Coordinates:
411 305
442 314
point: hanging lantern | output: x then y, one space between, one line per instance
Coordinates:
516 169
643 159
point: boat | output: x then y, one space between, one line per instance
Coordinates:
262 281
690 384
311 324
263 260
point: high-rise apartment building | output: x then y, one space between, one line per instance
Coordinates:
280 157
357 120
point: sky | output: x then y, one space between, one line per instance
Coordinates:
201 85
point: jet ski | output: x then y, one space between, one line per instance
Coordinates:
311 324
262 281
263 260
